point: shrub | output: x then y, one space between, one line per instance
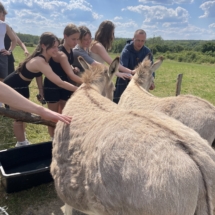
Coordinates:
29 44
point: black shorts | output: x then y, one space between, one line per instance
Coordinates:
17 83
11 67
53 93
3 66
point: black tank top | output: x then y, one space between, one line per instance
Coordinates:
30 75
56 67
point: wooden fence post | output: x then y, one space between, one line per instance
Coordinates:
25 117
178 84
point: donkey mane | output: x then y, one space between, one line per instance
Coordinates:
92 99
94 75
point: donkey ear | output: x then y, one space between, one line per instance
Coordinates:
83 63
157 64
148 57
113 68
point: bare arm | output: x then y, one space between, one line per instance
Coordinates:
101 51
22 45
11 97
68 69
12 37
39 81
13 41
44 67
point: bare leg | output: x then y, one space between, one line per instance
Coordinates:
53 107
18 130
62 104
24 126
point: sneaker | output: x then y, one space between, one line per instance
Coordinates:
23 143
27 142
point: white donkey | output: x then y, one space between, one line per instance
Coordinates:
192 111
110 161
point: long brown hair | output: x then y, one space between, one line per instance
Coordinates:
48 39
104 34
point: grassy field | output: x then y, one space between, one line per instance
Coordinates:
197 80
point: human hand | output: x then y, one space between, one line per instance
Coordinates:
5 52
133 72
54 116
124 76
41 99
76 70
26 53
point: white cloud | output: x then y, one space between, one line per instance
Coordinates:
77 9
187 32
160 14
97 16
167 1
117 18
212 25
208 8
36 16
175 24
128 24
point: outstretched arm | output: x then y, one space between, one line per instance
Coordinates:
42 66
22 45
11 97
100 50
68 69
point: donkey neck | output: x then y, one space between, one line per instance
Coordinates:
90 98
140 90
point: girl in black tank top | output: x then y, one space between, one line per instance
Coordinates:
33 67
55 96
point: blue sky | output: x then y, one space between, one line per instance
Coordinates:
170 19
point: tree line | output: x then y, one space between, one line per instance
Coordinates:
198 51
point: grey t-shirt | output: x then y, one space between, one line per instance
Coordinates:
78 51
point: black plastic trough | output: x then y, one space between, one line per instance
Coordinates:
25 167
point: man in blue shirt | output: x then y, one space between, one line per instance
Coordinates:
132 54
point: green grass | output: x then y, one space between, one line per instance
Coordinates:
35 133
197 80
